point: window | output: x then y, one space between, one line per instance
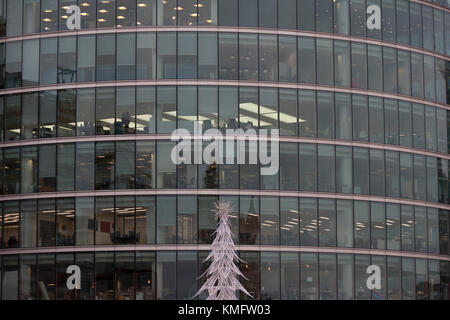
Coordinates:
166 109
434 279
11 226
248 56
86 58
30 115
88 13
28 277
325 115
124 275
186 274
208 107
405 123
430 127
63 15
287 58
309 276
104 275
228 53
327 276
12 170
419 126
404 72
84 212
268 58
268 109
324 16
145 110
65 222
344 176
390 69
105 158
341 16
187 55
14 14
421 280
46 223
344 221
166 174
28 223
403 27
393 226
342 63
420 227
394 271
49 15
66 112
146 13
105 115
392 174
441 71
207 221
306 15
65 171
408 279
432 179
377 173
443 177
145 165
85 162
324 60
307 113
251 271
429 77
288 112
360 118
104 216
85 112
207 55
146 56
375 67
248 13
30 67
187 219
388 20
378 227
126 55
67 53
391 121
415 16
361 170
361 290
376 122
125 164
306 60
288 166
407 220
13 64
228 12
124 222
125 111
106 56
406 175
145 219
49 60
358 17
287 14
289 221
207 12
269 225
106 16
249 220
126 13
417 74
359 65
427 25
308 166
361 224
270 271
289 268
47 169
327 223
47 114
433 230
382 292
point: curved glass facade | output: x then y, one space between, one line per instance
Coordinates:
86 118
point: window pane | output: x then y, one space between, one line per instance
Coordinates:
388 20
186 274
361 220
125 164
47 169
345 276
342 63
307 113
46 223
46 276
124 222
375 70
67 69
228 12
269 220
289 221
105 115
288 166
30 116
104 275
361 290
377 173
344 176
207 12
28 223
145 165
86 58
126 13
308 167
325 115
393 226
248 57
427 25
361 170
187 219
404 72
394 278
441 72
433 230
415 17
288 112
49 60
289 268
85 112
429 78
249 220
28 277
228 53
324 16
309 276
49 15
207 55
145 219
326 168
403 21
306 15
146 56
126 55
432 179
407 220
145 110
417 74
378 229
359 65
187 55
65 222
391 121
308 222
11 226
166 109
166 175
420 227
268 61
104 216
406 175
418 126
341 17
287 14
106 16
14 21
66 112
125 111
405 123
360 118
327 223
106 56
88 13
324 60
408 279
85 170
104 165
392 174
327 276
419 177
65 177
248 13
306 60
270 275
13 64
85 225
30 68
390 70
376 120
288 58
344 212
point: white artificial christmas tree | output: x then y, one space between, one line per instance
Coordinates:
222 276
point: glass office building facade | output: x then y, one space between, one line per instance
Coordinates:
86 117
